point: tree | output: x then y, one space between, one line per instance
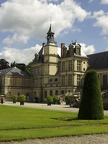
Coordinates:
91 106
28 68
22 66
4 64
14 64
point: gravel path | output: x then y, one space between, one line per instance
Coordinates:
85 139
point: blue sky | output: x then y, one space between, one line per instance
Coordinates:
24 24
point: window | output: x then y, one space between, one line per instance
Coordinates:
63 66
70 66
83 69
56 79
78 80
63 80
56 92
104 80
50 92
77 51
62 91
78 65
50 80
59 66
69 79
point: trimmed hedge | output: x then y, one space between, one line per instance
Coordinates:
91 106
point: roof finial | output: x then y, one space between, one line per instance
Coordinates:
50 21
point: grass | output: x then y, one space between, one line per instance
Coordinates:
17 123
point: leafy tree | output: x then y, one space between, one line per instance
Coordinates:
22 66
91 106
14 64
28 67
4 64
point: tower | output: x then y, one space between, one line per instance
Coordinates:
50 36
50 54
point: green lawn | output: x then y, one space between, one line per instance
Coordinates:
18 123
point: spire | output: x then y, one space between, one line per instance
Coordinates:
49 29
50 36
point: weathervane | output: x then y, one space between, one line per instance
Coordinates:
50 20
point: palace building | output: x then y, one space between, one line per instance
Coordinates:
51 73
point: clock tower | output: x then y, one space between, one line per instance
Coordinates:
51 54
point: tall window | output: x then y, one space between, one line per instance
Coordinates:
104 80
69 79
51 93
59 66
63 80
70 65
78 65
63 66
78 51
56 92
78 80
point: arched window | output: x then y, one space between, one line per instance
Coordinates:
50 80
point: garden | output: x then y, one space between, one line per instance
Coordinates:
20 123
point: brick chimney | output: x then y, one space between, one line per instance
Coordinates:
62 47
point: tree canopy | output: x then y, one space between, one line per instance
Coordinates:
22 66
4 64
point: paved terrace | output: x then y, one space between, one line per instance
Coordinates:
61 107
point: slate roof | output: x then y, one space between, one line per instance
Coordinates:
98 60
13 72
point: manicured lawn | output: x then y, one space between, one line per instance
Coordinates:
17 123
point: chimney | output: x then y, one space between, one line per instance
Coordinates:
62 46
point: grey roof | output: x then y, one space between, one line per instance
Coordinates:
98 60
13 71
40 57
50 31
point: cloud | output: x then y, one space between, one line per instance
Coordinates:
91 1
20 56
31 18
104 1
26 55
101 21
87 49
15 39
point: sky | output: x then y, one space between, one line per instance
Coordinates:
24 25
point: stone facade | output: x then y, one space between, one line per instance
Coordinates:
14 81
56 75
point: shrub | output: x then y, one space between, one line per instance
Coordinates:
67 99
91 106
55 100
49 100
22 98
14 98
